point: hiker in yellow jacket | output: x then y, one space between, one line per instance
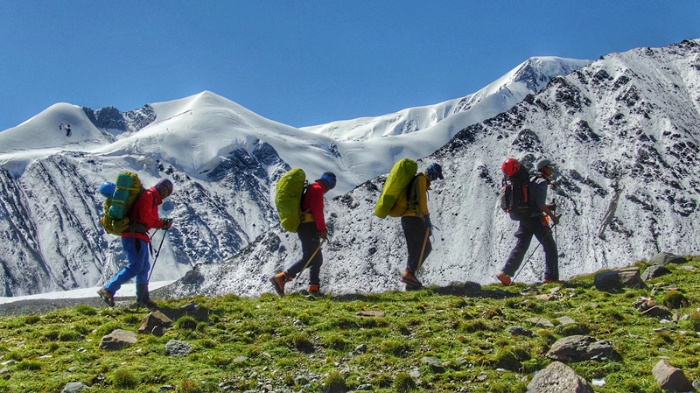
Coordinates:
416 223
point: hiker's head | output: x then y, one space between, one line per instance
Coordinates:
545 167
164 188
434 171
510 167
328 180
107 189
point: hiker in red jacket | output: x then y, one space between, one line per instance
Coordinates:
311 230
135 240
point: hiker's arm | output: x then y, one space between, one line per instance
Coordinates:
316 204
423 194
147 212
545 209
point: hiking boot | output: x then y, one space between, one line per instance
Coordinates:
413 287
106 296
149 304
278 281
503 278
410 279
315 290
552 281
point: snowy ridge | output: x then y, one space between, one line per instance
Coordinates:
223 159
623 132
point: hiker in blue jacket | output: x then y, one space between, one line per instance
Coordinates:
536 225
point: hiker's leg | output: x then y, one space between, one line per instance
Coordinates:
524 237
414 230
309 243
137 254
551 255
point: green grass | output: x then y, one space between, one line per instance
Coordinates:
293 343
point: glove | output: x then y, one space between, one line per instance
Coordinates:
556 220
323 235
426 220
167 223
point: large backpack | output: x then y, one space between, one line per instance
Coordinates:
394 188
290 189
117 208
516 196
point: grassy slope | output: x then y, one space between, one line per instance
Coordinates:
294 343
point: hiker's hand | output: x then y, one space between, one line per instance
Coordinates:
552 206
323 235
167 223
428 224
555 220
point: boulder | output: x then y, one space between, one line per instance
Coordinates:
664 258
670 378
558 378
615 280
118 339
578 348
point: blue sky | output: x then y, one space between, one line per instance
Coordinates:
303 63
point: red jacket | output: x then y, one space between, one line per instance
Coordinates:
313 203
145 211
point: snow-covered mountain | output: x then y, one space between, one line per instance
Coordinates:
225 160
624 133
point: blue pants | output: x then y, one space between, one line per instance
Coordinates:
534 226
139 266
310 242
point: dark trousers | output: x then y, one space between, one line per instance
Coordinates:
415 231
310 242
534 226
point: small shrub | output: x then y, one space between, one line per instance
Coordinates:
28 365
695 321
207 343
52 335
303 344
395 347
473 326
190 386
382 380
202 326
507 360
675 299
335 383
131 319
214 318
84 309
186 323
574 329
124 379
404 383
31 319
336 342
69 335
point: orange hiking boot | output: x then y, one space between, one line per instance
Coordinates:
278 281
315 290
503 278
106 296
411 281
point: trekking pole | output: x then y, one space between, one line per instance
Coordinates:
313 255
422 251
165 232
526 261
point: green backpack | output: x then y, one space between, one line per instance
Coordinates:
290 189
395 186
117 208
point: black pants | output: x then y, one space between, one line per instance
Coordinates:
310 242
534 226
414 229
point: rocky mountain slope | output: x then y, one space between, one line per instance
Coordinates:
623 132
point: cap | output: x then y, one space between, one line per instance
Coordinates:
434 171
543 162
328 180
164 188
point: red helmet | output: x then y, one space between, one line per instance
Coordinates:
510 166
